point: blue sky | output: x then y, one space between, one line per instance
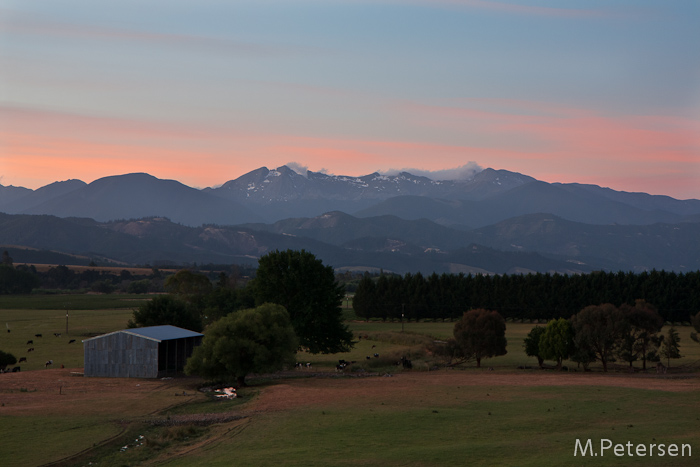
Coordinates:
604 92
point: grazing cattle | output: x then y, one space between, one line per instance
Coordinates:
71 341
406 363
22 359
308 365
30 342
373 346
376 355
299 366
49 362
31 349
660 368
16 370
57 334
37 335
368 357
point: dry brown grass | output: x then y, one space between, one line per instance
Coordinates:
59 392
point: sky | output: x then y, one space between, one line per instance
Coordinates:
601 92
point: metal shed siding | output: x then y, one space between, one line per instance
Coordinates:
120 354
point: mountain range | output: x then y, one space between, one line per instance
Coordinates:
495 222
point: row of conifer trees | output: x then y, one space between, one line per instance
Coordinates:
518 296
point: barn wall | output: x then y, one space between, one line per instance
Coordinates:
121 355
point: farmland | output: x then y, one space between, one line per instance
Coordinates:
379 414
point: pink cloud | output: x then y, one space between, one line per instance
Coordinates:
578 131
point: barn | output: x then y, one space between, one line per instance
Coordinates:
149 352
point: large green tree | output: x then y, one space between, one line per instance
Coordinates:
254 340
598 330
309 292
480 334
167 309
226 299
557 341
189 286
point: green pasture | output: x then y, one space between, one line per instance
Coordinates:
503 425
90 315
37 439
87 316
70 301
391 343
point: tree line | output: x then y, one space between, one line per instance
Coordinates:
518 296
608 334
603 333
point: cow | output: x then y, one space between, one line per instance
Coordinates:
57 334
22 359
71 341
48 362
30 342
30 349
16 369
37 335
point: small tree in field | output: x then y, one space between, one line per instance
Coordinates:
557 341
532 344
641 340
695 321
248 341
670 347
6 359
480 334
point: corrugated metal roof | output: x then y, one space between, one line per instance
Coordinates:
163 333
157 333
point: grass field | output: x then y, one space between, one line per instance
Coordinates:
456 419
464 416
88 315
